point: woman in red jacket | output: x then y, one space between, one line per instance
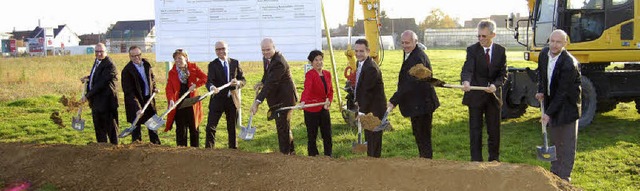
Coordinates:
181 77
317 88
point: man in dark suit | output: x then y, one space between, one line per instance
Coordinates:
369 94
221 71
102 97
279 91
138 83
416 98
559 90
485 65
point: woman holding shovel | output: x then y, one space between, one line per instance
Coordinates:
317 88
183 75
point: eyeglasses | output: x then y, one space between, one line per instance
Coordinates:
483 36
99 51
136 55
221 49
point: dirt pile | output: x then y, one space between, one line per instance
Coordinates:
151 167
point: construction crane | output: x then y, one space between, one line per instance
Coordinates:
372 25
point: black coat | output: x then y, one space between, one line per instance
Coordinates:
563 103
414 97
478 72
279 89
102 93
216 77
370 89
133 88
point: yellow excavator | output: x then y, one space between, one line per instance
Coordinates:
371 12
601 32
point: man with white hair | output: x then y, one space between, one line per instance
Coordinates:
220 71
559 91
279 91
417 98
486 66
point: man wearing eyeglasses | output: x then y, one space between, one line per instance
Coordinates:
102 97
485 66
221 71
138 84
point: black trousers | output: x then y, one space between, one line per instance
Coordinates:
314 121
106 125
565 138
229 109
421 126
184 121
136 135
491 113
374 143
285 137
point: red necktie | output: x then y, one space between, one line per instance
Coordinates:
487 57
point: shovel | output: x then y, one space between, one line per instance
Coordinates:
77 122
190 101
276 113
156 121
359 146
246 133
129 130
546 152
384 123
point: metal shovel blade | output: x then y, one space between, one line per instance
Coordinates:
77 123
384 125
154 123
246 133
547 153
359 147
189 101
126 132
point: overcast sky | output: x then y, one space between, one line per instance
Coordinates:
85 17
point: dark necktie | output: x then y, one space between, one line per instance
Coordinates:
95 65
225 68
487 57
267 64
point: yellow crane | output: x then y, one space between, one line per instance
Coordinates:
371 12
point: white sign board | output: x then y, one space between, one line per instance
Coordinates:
195 26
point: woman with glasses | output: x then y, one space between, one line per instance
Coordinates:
181 77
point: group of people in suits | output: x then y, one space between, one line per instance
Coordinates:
485 65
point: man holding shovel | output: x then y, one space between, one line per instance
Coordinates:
369 94
102 97
417 98
485 66
559 90
221 71
279 91
138 83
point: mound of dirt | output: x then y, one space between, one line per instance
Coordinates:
151 167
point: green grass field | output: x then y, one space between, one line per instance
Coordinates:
608 150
